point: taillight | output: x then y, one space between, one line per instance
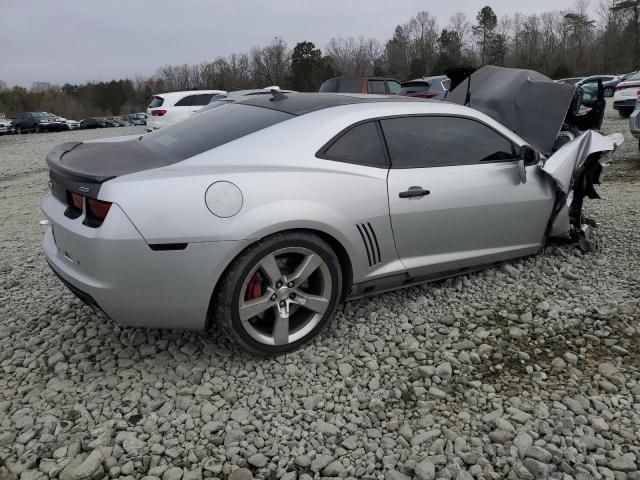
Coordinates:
158 113
97 209
77 201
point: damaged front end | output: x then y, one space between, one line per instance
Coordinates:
575 169
553 119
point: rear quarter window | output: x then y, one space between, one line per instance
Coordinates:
210 129
156 102
360 144
185 101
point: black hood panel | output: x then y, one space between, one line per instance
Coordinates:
101 161
525 101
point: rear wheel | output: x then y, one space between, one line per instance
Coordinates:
279 294
19 130
37 129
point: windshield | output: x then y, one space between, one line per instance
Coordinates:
210 129
42 114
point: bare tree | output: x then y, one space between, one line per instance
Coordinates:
354 57
270 64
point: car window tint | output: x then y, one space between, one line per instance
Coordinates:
361 144
210 129
202 99
416 142
377 86
342 85
156 102
394 87
350 85
185 102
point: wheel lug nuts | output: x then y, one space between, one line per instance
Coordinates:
290 285
283 303
274 297
278 285
292 296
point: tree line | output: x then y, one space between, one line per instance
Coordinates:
557 43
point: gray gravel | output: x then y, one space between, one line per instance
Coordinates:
526 371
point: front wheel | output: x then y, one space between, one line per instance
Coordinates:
279 294
37 129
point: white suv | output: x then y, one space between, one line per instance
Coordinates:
168 108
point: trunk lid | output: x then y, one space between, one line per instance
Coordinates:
83 167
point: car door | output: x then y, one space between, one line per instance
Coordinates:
455 195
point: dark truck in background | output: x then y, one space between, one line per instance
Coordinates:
37 122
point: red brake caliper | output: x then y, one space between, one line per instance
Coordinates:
254 287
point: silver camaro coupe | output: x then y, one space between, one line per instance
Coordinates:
257 218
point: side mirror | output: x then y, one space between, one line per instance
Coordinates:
526 157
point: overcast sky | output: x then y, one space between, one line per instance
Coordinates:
62 41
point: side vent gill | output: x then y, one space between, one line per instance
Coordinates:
370 241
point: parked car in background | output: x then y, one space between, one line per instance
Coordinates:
624 98
6 126
570 80
168 108
354 84
137 118
634 121
261 216
69 124
609 82
436 88
93 122
114 122
230 97
37 122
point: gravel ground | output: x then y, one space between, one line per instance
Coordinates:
526 371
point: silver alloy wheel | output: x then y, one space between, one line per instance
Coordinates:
295 292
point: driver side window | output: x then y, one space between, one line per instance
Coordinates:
441 141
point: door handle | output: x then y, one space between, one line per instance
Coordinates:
414 192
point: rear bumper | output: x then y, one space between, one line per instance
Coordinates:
113 268
627 104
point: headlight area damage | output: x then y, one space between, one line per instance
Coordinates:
550 118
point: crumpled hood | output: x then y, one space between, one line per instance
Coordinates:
525 101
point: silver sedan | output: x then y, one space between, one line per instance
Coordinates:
259 217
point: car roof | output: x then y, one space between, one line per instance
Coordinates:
187 92
302 103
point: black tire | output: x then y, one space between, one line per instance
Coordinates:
608 92
625 113
36 129
225 300
19 130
